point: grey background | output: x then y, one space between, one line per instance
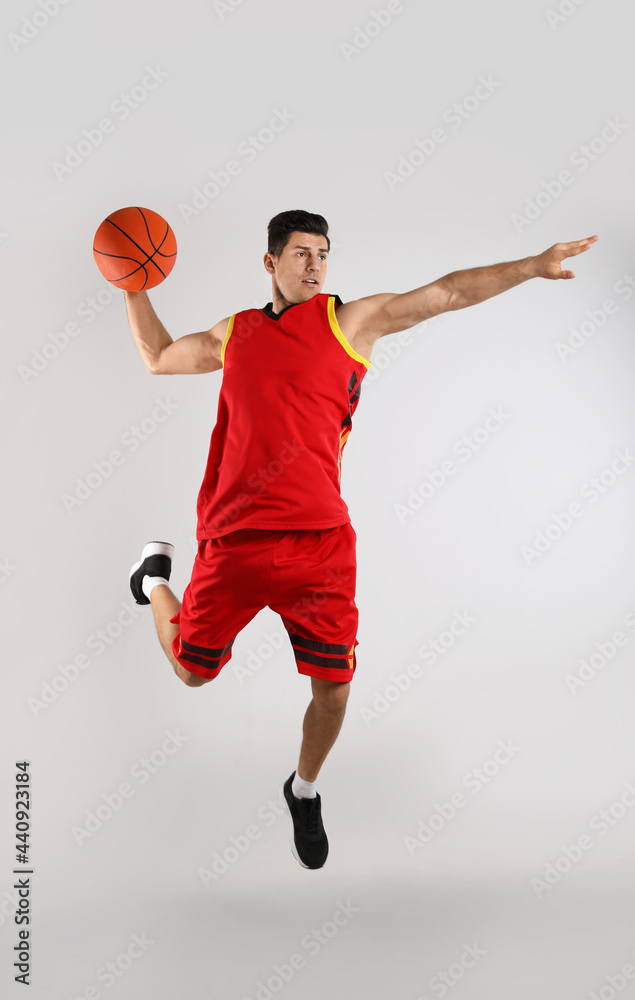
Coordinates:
505 679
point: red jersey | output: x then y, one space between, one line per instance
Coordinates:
291 383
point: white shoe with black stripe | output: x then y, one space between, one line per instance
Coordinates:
156 560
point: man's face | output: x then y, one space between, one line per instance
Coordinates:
300 271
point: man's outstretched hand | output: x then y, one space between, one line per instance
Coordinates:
547 264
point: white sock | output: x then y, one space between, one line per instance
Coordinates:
149 582
303 789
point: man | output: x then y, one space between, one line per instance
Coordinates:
273 529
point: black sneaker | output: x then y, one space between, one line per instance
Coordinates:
309 842
156 560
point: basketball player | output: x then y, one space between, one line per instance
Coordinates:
273 529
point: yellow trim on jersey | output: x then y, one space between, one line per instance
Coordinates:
335 327
230 327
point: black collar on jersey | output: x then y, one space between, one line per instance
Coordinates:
268 309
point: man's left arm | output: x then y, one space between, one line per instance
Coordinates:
378 315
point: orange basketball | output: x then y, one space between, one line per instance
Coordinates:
135 249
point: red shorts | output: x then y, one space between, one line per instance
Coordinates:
307 576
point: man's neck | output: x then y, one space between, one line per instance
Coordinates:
279 302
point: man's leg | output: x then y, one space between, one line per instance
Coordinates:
152 572
322 724
164 606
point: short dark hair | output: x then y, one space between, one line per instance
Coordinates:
285 223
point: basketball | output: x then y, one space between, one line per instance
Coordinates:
135 249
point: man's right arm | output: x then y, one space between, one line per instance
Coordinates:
190 355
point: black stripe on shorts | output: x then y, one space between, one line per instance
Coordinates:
318 647
210 658
213 654
322 661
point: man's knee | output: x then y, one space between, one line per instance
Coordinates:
331 696
188 678
194 681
